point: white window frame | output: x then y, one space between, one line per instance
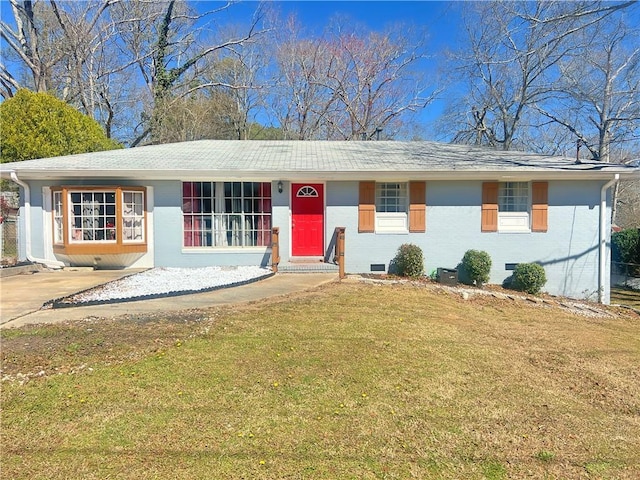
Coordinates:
514 207
85 218
307 191
58 218
214 226
392 216
133 216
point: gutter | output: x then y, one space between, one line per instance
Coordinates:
27 226
305 175
603 236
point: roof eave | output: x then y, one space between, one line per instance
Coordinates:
307 175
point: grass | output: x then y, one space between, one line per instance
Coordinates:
351 381
625 296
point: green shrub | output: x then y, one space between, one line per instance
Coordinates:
477 266
409 261
626 246
529 277
38 125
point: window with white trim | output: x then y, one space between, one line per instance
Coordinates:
514 201
58 218
93 216
226 214
391 207
132 216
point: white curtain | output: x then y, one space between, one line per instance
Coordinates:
248 231
220 220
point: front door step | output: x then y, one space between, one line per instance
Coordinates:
306 260
306 267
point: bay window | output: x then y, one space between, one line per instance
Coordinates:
94 220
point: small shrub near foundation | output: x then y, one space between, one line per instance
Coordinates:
477 265
529 277
409 261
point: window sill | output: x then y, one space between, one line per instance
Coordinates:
201 250
392 232
514 231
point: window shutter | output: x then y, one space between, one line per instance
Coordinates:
490 207
539 206
367 207
417 207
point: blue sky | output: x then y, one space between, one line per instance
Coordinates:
441 19
438 17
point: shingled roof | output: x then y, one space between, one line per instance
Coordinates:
309 160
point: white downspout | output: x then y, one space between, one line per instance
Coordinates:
27 226
603 236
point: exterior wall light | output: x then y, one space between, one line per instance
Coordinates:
280 186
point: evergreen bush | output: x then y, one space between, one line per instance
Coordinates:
529 277
38 125
409 261
626 246
477 266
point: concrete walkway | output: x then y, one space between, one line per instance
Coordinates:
22 296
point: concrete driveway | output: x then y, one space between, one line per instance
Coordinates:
22 296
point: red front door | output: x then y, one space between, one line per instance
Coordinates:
307 219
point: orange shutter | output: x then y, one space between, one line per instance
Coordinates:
490 207
539 206
417 207
367 207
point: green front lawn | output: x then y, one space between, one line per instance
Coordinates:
349 382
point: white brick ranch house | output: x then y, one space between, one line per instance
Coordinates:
216 203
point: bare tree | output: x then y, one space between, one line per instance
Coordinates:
201 115
598 93
242 73
93 75
28 40
51 39
349 83
93 54
171 67
298 99
68 49
375 80
512 59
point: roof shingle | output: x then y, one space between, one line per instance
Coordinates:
271 158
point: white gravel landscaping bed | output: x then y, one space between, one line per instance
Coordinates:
162 282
